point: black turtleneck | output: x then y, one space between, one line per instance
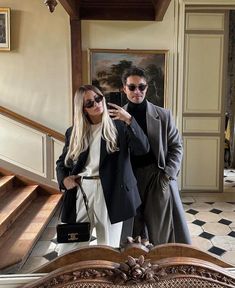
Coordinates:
138 111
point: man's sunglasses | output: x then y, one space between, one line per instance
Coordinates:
90 103
141 87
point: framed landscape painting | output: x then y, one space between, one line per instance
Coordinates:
4 29
107 65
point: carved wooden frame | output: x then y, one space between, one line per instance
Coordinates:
135 264
4 29
137 271
102 61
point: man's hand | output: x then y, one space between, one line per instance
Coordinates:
118 113
71 181
164 181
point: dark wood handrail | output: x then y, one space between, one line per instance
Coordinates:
31 123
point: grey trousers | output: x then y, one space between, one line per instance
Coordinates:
154 219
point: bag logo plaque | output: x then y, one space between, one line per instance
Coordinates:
72 236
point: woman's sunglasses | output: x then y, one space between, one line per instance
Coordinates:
141 87
91 103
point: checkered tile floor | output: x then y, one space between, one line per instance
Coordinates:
210 218
229 180
212 227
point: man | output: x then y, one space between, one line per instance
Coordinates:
161 211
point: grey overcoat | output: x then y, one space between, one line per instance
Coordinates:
166 145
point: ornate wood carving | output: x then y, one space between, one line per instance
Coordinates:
194 271
139 270
51 4
88 274
135 271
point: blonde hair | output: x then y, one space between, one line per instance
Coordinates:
79 140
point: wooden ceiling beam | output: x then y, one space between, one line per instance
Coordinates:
71 7
76 54
137 10
160 8
118 13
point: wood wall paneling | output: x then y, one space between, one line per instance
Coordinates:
203 73
201 163
204 21
201 125
22 146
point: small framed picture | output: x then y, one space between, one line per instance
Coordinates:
4 29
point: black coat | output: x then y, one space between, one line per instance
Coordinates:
115 171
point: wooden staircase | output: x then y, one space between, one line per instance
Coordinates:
25 210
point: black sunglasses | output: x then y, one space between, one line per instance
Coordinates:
90 103
141 87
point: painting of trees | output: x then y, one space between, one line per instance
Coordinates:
107 67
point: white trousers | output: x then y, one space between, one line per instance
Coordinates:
106 233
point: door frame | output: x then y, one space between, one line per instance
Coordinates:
183 5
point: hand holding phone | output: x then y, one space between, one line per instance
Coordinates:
118 113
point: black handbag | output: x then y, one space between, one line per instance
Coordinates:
75 232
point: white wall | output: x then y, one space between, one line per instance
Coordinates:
35 77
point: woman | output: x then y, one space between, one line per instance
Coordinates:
96 152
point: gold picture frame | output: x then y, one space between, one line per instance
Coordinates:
105 68
4 29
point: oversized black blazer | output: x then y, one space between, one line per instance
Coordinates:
115 171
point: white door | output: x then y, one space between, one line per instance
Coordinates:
203 105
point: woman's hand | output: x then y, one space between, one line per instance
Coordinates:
71 181
118 113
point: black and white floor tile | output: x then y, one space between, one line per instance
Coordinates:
229 180
212 227
210 218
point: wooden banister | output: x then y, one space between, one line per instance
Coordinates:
31 123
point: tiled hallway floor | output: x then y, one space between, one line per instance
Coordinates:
229 180
212 227
210 218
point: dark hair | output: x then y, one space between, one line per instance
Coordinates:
133 71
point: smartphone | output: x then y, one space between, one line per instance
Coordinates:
116 98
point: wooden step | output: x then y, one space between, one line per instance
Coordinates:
13 203
6 183
26 207
17 242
